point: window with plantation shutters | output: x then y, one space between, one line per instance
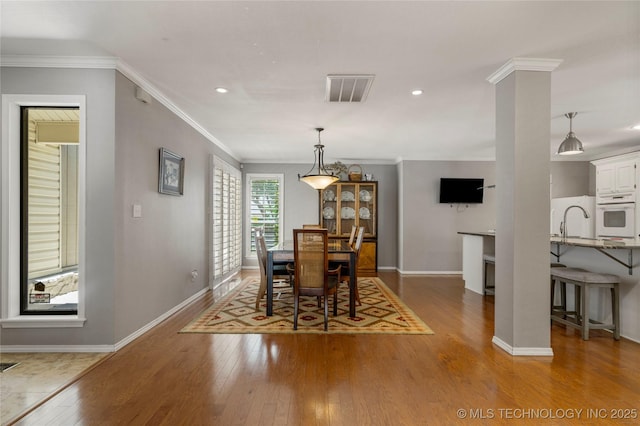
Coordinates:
226 221
265 207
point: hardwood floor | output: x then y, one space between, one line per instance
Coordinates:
166 378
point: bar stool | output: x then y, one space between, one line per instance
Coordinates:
583 281
488 259
561 309
563 291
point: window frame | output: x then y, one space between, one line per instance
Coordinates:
25 165
250 177
234 224
10 316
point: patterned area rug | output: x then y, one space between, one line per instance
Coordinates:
381 312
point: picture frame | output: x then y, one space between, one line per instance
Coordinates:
171 173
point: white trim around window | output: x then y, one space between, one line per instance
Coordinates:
277 202
10 258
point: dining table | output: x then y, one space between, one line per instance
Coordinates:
338 251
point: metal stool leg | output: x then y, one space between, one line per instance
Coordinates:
615 311
584 309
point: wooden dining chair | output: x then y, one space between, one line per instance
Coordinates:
261 252
312 275
345 267
352 236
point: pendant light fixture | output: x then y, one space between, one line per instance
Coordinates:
570 145
319 178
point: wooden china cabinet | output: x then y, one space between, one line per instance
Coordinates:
345 204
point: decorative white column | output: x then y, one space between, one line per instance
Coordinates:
522 291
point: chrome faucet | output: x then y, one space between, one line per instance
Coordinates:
563 224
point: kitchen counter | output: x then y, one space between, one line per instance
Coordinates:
599 255
574 241
476 244
480 233
597 243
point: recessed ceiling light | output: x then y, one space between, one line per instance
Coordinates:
221 90
636 127
416 92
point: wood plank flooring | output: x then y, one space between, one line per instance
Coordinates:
166 378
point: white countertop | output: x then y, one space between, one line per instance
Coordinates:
575 241
598 243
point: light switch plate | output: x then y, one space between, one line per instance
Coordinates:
137 210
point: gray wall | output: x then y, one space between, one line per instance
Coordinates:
428 237
572 178
98 86
301 204
428 230
156 253
136 269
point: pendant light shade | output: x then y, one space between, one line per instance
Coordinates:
318 177
570 145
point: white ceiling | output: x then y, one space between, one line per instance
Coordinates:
274 57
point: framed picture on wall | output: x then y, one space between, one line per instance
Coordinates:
171 175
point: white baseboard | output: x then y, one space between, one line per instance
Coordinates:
103 348
429 272
130 338
521 351
56 348
387 268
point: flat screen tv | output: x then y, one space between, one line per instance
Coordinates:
461 190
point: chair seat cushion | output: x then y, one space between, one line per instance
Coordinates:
584 276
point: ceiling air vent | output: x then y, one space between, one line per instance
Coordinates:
348 87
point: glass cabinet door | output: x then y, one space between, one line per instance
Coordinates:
329 208
366 211
354 203
348 209
347 204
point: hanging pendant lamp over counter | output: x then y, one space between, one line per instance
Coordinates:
318 177
570 145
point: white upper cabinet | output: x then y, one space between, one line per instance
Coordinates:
616 177
605 179
626 176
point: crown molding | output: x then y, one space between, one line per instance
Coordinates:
108 62
523 64
137 79
44 61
